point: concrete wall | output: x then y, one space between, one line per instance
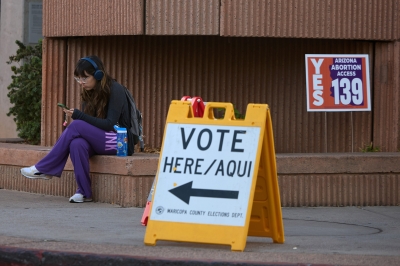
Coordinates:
11 29
311 180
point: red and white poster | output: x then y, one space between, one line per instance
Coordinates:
337 82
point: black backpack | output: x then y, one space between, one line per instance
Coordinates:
135 120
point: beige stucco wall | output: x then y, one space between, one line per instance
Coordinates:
11 29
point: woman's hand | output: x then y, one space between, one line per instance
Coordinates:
68 112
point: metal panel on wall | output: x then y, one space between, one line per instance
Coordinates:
91 18
182 17
237 70
328 19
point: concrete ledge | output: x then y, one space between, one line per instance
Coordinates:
323 179
140 164
339 179
334 163
125 181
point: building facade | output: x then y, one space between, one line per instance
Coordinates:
238 51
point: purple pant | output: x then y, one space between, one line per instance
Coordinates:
81 141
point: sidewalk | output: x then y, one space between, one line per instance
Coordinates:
46 230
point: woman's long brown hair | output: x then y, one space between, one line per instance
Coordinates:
96 99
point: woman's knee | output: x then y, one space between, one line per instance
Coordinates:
79 144
77 123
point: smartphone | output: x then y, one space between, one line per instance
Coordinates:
62 106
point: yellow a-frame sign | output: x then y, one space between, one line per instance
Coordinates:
216 181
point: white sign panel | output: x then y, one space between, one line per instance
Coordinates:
205 174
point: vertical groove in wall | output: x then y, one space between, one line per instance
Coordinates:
53 89
181 17
159 69
339 190
356 19
90 18
386 132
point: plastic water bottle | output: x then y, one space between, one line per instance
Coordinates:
122 141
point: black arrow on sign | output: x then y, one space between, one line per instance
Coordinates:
186 191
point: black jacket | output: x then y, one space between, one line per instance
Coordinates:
117 113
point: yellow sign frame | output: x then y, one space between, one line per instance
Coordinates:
264 215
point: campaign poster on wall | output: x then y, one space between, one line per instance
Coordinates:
337 82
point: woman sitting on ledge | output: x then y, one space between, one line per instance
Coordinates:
104 104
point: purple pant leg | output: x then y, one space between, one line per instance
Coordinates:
98 142
80 152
